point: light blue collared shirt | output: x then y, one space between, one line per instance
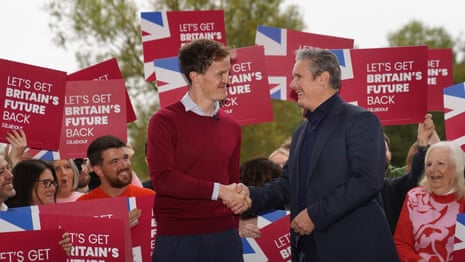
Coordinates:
190 105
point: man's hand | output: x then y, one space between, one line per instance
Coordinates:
65 243
248 228
426 134
236 197
302 224
18 141
134 217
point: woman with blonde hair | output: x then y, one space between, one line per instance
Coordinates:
68 180
426 227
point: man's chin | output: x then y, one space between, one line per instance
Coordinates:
8 194
120 184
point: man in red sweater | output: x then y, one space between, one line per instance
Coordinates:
193 152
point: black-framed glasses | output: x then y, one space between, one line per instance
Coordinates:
48 182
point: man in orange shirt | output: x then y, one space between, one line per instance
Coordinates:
109 158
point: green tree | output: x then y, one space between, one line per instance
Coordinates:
417 33
102 29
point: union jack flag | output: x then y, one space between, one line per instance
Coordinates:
251 249
459 245
275 42
43 154
171 83
454 106
163 33
345 63
20 219
154 26
280 45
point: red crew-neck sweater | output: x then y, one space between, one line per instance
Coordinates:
186 154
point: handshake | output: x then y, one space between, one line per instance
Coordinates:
236 197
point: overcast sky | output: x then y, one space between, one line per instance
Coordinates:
369 22
26 37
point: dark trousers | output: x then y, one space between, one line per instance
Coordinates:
225 246
305 250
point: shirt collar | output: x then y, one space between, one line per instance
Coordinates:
3 207
321 111
190 105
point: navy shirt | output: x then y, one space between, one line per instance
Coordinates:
314 122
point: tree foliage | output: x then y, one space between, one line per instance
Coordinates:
103 29
417 33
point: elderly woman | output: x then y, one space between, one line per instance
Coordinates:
426 227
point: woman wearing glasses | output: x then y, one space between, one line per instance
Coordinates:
35 182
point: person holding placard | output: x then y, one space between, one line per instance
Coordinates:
109 158
395 189
426 227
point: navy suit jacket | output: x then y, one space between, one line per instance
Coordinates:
345 177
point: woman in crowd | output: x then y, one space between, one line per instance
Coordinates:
68 179
35 183
281 154
256 172
426 227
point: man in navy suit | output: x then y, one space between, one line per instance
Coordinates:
334 173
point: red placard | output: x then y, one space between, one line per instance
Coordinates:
144 233
92 109
105 70
164 32
248 99
31 98
105 208
93 239
391 82
275 240
35 245
440 75
280 45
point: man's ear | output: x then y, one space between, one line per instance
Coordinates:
97 170
194 76
324 77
